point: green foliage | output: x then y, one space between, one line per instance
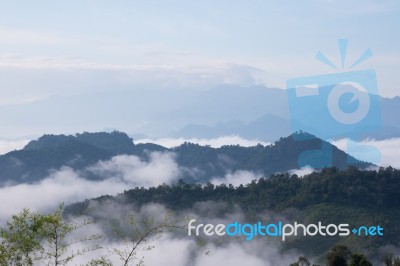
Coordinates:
359 260
102 261
338 256
282 156
30 237
390 260
302 261
58 240
20 240
114 142
376 190
140 235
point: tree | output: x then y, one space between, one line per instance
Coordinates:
338 255
20 241
138 237
390 260
357 259
30 237
302 261
59 239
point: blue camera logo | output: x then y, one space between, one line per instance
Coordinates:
332 106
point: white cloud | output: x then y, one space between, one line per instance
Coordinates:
182 251
215 142
381 152
302 171
62 186
237 178
161 168
67 186
246 253
233 255
176 248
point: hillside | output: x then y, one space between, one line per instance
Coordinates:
35 161
359 198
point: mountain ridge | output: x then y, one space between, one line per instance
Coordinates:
50 152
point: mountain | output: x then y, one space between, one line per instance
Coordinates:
267 128
263 113
123 109
242 110
50 152
357 198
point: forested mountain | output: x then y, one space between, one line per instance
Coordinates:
50 152
352 196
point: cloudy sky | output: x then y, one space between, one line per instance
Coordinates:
102 44
72 48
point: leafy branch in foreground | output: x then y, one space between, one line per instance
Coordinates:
59 239
31 237
20 242
138 237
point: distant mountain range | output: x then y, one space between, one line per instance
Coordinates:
262 113
267 128
50 152
254 112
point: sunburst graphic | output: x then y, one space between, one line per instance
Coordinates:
343 43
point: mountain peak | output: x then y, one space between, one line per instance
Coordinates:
48 141
309 150
115 142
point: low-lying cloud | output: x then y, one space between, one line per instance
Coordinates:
184 251
240 177
177 248
302 171
161 168
67 185
380 152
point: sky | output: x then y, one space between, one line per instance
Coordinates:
104 42
65 49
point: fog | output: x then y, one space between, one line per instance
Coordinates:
236 178
65 185
380 152
176 247
302 171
